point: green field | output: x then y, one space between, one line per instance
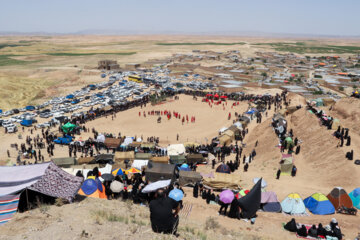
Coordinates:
199 44
303 47
67 54
6 60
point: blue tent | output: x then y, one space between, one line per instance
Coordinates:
184 167
319 204
355 197
223 168
30 108
70 96
1 111
63 140
26 123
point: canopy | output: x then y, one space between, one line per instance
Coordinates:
68 127
319 204
250 203
293 204
152 187
45 178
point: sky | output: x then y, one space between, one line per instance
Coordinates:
314 17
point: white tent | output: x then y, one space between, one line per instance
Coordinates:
138 164
175 149
100 138
127 141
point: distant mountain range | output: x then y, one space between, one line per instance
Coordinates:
149 32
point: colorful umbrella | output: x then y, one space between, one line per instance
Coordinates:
176 194
132 170
118 172
226 196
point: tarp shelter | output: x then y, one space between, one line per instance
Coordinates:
191 144
112 142
230 133
222 130
139 164
177 159
224 140
223 168
286 164
149 145
122 156
194 158
135 145
92 188
250 203
293 204
68 127
222 181
86 160
163 159
45 178
104 158
190 177
244 120
8 206
319 204
339 198
64 162
175 149
159 171
270 202
144 156
236 130
335 124
355 197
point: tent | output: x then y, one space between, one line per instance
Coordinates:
194 158
223 168
64 162
319 204
144 156
68 127
250 203
293 204
149 145
104 158
159 171
270 202
92 188
139 164
224 140
191 144
222 181
45 178
355 197
184 167
230 133
335 124
86 160
286 164
175 149
127 141
163 159
112 142
189 177
339 198
122 156
100 138
177 159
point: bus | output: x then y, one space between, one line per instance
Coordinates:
135 78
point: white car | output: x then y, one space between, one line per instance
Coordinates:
11 129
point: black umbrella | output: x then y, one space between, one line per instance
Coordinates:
250 203
107 177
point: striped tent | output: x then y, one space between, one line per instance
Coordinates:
8 206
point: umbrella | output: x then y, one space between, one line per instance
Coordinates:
263 182
118 172
116 186
226 196
176 194
152 187
132 170
107 177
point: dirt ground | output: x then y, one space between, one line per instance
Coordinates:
321 167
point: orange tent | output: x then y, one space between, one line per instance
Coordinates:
338 197
92 188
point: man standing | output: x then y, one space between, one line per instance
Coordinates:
164 214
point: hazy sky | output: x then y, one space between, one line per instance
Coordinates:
328 17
